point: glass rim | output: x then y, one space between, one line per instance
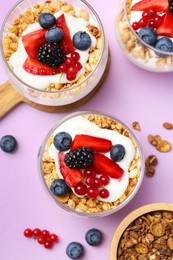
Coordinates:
43 90
106 212
165 53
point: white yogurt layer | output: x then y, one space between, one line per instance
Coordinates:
42 82
80 125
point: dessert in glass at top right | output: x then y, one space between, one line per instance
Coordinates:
144 31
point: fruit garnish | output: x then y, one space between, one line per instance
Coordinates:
54 35
62 141
35 67
46 20
92 192
117 152
66 44
104 165
159 5
59 187
165 28
93 237
82 41
80 189
104 193
74 250
8 143
96 143
148 35
71 176
32 41
164 44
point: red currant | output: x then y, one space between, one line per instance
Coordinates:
104 193
145 15
92 192
135 26
41 240
151 23
78 65
53 238
89 172
62 68
151 13
28 232
97 182
89 180
48 244
72 70
36 232
80 188
104 179
45 234
142 22
71 77
157 20
69 61
75 56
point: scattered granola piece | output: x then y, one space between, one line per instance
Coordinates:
168 125
161 145
136 126
150 163
150 171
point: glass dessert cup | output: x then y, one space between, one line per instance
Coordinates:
92 122
135 49
148 224
56 96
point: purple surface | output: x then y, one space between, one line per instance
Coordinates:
129 94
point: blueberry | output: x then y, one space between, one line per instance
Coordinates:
74 250
47 20
62 141
93 237
148 35
8 143
59 187
117 152
81 40
54 35
164 44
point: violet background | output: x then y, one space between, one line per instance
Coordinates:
130 94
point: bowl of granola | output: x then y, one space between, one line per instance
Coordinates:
146 233
143 31
55 53
91 164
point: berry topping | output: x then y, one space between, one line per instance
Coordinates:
47 20
104 193
97 182
148 35
82 41
164 44
62 68
75 56
93 237
54 35
27 232
148 14
117 152
71 176
89 172
35 67
164 28
50 54
8 143
32 41
66 43
104 165
79 158
62 141
159 5
80 189
142 23
89 180
92 192
104 178
59 187
74 250
96 143
135 26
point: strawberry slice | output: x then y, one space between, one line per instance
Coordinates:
96 143
104 165
166 27
32 41
71 176
66 43
34 67
158 6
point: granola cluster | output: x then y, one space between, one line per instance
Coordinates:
149 237
11 39
86 204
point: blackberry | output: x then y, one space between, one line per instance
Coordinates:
50 54
79 158
170 6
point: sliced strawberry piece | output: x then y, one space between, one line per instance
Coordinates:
71 176
157 5
66 43
104 165
34 67
32 41
166 27
96 143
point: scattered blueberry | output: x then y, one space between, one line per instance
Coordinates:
148 35
59 187
8 143
46 20
164 44
81 40
62 141
54 35
74 250
117 152
93 237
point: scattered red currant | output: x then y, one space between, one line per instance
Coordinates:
45 234
53 238
104 193
36 232
104 179
80 188
41 240
92 192
28 232
48 244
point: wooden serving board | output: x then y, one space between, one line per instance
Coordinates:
130 218
10 98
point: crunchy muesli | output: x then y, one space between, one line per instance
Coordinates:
160 144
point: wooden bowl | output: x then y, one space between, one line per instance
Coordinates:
130 218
